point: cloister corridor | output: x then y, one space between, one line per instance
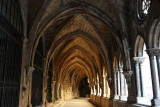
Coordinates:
81 102
79 53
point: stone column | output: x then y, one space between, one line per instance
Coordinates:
98 89
95 89
136 59
158 65
53 87
101 89
157 54
23 87
121 84
29 81
141 60
115 84
107 89
91 91
125 85
104 86
45 78
110 92
155 84
118 76
128 76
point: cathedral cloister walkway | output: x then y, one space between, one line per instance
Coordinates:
81 102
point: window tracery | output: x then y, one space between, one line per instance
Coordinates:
143 8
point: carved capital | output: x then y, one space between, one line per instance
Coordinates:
120 69
53 83
128 76
139 59
150 51
115 71
155 51
104 76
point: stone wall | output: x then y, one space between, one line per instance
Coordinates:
106 102
100 101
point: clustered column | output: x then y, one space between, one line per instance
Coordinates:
139 79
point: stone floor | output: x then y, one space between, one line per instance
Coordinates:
81 102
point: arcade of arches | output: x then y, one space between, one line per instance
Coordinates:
57 50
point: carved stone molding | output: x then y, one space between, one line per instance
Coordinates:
29 71
128 76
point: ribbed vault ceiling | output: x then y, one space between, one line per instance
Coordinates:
77 45
76 38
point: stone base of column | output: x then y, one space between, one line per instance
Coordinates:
123 98
42 105
30 105
116 97
155 102
104 95
131 99
143 100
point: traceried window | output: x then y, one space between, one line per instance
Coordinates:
143 8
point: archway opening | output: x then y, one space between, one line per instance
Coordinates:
143 73
84 90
